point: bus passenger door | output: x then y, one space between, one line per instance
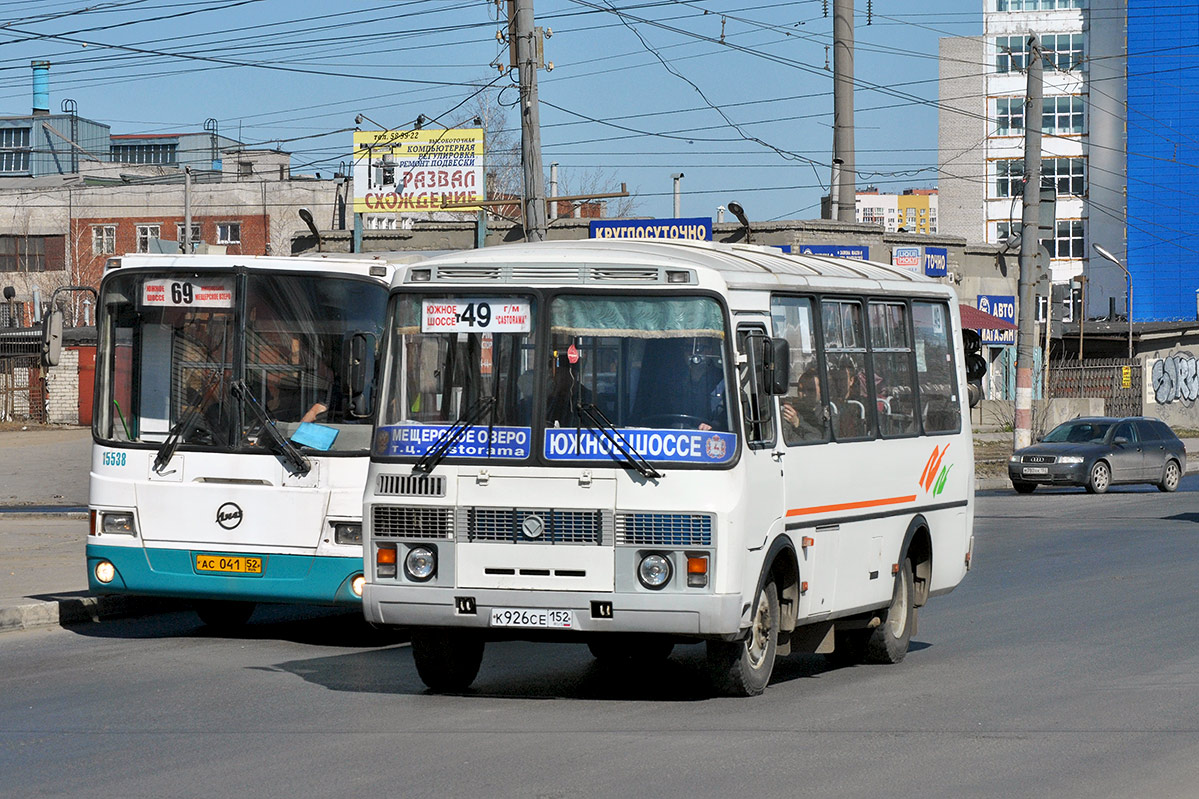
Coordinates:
761 456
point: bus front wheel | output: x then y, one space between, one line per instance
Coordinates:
888 642
743 668
447 660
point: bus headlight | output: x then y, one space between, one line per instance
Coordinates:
118 524
420 564
654 571
105 571
347 532
357 584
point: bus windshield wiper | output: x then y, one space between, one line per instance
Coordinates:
437 453
182 428
632 458
297 464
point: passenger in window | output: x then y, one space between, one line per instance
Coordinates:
846 387
804 416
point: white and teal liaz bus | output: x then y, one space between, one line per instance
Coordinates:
232 425
635 444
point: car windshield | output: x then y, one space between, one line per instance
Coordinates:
1077 432
172 353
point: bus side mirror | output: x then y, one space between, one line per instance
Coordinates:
52 338
359 370
778 367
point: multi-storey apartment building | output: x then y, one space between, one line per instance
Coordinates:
912 211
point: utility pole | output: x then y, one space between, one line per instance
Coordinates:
186 239
678 178
843 174
1029 243
525 40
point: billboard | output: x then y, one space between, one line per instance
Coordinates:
860 252
906 257
417 170
1003 306
936 261
697 228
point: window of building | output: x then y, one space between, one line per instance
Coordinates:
1038 5
1062 115
245 168
1009 116
1066 174
14 149
146 233
195 237
143 153
228 233
104 239
1063 50
1011 53
911 214
32 253
1068 241
1009 177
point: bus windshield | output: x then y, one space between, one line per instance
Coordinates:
183 355
622 373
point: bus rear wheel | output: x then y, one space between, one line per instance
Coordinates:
888 642
222 614
447 660
743 668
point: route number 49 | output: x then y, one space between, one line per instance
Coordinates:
473 313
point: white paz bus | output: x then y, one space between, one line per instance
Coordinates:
634 444
232 427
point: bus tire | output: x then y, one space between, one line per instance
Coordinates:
613 648
888 642
223 614
743 668
447 661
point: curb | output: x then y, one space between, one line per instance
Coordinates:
74 609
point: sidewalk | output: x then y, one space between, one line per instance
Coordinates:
43 526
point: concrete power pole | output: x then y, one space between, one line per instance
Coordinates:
1029 244
185 241
843 174
524 39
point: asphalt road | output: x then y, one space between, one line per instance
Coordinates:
1066 665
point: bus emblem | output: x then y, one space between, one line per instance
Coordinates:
716 448
533 526
228 515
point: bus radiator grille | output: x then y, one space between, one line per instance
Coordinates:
556 526
664 529
393 521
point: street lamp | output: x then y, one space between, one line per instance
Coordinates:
1128 301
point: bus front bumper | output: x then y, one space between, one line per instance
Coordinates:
150 571
716 615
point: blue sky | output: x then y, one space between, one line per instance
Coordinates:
736 97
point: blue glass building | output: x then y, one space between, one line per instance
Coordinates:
1163 158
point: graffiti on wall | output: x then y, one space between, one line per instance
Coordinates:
1176 379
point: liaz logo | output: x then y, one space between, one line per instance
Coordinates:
934 476
228 515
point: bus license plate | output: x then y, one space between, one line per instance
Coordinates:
1036 470
516 617
229 564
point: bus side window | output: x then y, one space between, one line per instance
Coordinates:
851 404
802 410
940 409
894 376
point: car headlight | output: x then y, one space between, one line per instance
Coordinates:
1071 459
118 524
1013 459
420 564
654 571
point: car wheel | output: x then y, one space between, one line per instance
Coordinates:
1023 487
1100 478
1170 477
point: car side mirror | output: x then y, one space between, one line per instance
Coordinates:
1119 441
52 338
778 367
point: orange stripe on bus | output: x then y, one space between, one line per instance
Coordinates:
869 503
